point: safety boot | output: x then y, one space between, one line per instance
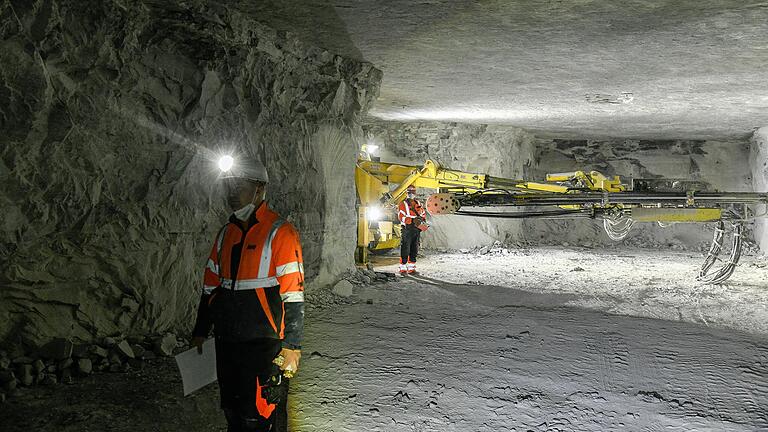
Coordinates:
410 267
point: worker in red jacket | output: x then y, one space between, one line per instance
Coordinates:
253 299
412 222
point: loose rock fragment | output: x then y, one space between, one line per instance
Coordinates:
103 365
84 366
125 349
99 351
166 345
80 350
24 374
64 364
48 379
138 351
343 288
38 366
66 377
57 349
114 358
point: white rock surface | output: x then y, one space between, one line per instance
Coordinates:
523 354
759 171
343 288
637 68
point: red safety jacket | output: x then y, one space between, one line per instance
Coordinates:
263 297
409 210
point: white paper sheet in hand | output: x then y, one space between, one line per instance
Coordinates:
197 370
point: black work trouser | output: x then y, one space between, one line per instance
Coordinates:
238 365
409 243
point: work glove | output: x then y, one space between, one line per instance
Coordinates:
288 361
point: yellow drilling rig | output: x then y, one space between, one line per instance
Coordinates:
579 194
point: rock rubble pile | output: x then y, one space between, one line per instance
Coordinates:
61 361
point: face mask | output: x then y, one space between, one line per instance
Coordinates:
244 213
411 196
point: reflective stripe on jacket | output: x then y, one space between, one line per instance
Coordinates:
408 210
263 297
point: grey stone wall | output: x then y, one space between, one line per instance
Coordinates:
758 160
724 165
112 114
496 150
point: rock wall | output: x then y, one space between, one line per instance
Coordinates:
112 114
724 165
496 150
758 160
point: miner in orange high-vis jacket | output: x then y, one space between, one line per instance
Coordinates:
253 300
412 218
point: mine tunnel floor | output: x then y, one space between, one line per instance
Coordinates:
516 340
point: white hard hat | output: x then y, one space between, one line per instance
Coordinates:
247 168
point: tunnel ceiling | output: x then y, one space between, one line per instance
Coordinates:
644 69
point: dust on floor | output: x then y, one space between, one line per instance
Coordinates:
448 350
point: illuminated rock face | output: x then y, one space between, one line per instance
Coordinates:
496 150
110 120
759 165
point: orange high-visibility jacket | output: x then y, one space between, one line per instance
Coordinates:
264 296
408 210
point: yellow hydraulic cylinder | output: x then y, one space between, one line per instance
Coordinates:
643 214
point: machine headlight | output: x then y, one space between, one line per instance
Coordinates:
373 213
